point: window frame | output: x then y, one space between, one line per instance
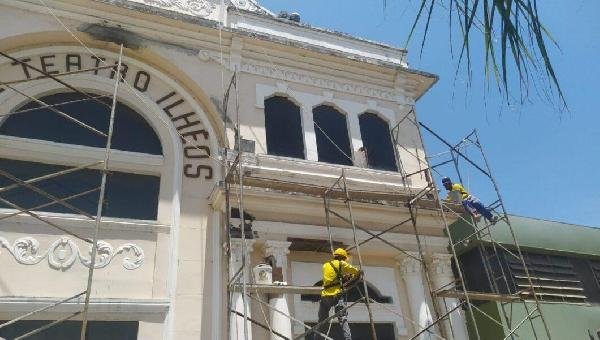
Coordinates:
389 132
347 127
42 151
302 124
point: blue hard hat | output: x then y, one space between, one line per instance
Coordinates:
446 180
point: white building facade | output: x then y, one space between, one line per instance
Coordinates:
163 264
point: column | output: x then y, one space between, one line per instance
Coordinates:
310 138
236 325
441 276
279 322
416 287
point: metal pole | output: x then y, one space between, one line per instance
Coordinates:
260 325
367 301
37 217
49 176
59 74
514 237
49 105
101 198
52 203
45 194
53 77
379 234
39 310
528 317
436 321
241 204
45 327
327 222
375 236
289 317
59 112
454 149
335 315
424 265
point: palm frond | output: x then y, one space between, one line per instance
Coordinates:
521 35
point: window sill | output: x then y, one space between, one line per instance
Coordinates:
323 174
79 222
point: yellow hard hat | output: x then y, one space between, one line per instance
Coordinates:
340 252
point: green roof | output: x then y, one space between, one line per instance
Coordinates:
541 235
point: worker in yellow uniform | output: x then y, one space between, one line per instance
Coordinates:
335 273
469 202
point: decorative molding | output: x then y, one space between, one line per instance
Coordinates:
409 265
441 265
236 248
63 253
201 8
302 77
248 5
279 250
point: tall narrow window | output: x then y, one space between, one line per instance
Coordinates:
377 142
333 143
283 126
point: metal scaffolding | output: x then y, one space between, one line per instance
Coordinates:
82 298
424 198
415 200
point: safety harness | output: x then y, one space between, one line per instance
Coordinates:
338 274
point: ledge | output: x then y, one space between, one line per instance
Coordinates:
97 305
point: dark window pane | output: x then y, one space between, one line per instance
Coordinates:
283 126
127 195
377 141
70 330
131 131
333 143
385 331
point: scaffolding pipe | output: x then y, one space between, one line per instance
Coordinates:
58 75
45 327
360 262
101 198
514 237
335 315
46 74
289 317
49 176
426 329
52 203
39 310
37 217
55 110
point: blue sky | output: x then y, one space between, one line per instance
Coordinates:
544 161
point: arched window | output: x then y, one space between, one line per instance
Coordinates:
283 125
354 294
377 141
53 143
333 143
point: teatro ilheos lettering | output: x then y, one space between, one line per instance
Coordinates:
146 82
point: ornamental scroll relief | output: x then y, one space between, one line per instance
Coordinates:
201 8
63 253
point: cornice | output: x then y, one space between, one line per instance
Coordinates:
97 305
